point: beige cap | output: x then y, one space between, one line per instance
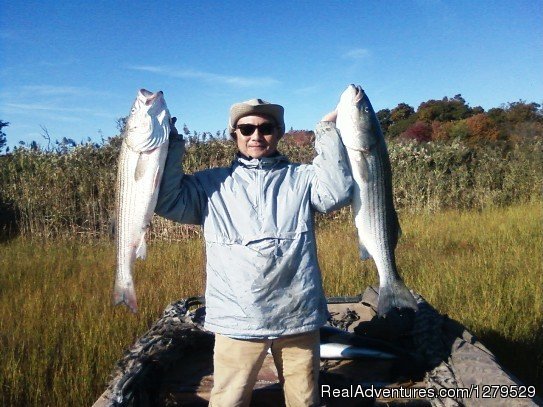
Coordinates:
256 106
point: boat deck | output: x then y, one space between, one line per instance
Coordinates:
172 364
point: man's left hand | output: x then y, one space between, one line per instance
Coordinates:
330 117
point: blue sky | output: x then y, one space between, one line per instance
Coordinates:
74 67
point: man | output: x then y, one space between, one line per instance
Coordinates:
264 287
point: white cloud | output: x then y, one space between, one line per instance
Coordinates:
357 53
42 108
51 90
240 81
48 107
50 99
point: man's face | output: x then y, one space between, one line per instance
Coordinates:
257 142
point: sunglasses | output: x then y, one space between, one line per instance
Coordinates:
249 129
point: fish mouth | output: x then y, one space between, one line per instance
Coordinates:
351 91
355 93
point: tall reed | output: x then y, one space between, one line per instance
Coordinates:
49 194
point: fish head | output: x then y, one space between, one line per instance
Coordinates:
356 120
148 125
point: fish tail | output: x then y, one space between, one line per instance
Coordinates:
125 295
395 295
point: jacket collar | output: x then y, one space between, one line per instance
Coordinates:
264 162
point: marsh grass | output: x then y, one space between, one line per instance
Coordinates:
60 336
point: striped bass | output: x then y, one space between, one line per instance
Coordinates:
333 350
141 163
373 208
336 343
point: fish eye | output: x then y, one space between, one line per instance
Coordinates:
366 109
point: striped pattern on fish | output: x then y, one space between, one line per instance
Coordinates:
372 201
141 163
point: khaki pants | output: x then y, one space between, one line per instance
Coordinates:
237 363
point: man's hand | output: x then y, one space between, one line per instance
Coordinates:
330 117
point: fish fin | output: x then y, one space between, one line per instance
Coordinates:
125 294
158 177
141 166
141 251
395 295
364 253
364 168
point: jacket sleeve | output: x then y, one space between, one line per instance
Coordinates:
180 197
332 182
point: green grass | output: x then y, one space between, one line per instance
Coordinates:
60 336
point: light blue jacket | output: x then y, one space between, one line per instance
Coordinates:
263 278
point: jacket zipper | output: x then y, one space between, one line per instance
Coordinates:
260 197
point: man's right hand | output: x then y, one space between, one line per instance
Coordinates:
174 134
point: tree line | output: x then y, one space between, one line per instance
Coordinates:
446 119
453 119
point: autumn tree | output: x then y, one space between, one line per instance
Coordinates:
401 112
517 120
444 110
300 138
481 129
402 117
441 130
519 112
497 115
420 131
477 110
385 121
459 130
